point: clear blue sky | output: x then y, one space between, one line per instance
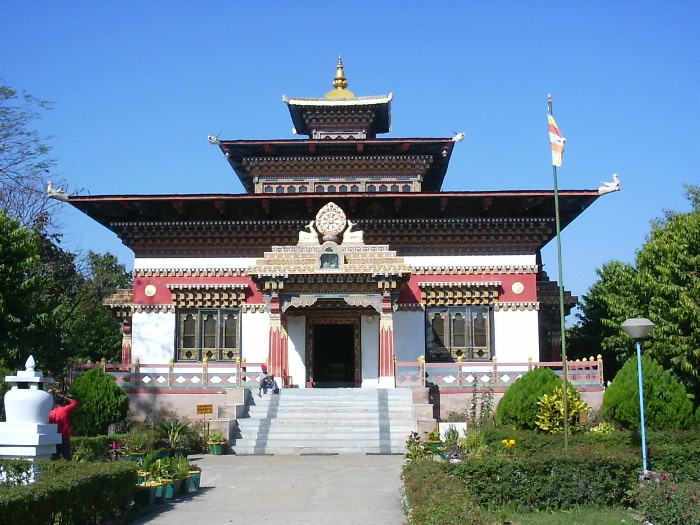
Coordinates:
138 86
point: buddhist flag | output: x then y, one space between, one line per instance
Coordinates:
556 140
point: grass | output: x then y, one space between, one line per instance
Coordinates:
580 516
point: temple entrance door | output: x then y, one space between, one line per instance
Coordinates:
333 356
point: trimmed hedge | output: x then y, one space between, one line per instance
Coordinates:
549 481
435 498
93 448
71 493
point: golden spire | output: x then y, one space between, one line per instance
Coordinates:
340 83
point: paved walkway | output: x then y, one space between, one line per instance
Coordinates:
345 489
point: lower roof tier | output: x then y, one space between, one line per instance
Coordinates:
411 224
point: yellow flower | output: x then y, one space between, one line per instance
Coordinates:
511 442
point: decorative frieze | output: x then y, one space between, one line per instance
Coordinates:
190 272
154 308
529 306
476 270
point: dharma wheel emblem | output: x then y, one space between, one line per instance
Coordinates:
330 221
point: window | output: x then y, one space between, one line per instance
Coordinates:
458 331
210 333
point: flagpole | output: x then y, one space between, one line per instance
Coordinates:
565 364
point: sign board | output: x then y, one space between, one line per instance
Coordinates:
205 409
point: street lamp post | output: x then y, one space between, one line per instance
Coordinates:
638 329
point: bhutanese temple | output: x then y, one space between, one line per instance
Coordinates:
342 258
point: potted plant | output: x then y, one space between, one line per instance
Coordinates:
434 444
216 443
180 472
195 473
176 433
453 449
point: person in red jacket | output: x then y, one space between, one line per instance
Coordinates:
60 415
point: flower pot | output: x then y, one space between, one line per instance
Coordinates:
182 486
195 479
216 449
169 488
145 494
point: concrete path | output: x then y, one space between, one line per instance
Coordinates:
343 489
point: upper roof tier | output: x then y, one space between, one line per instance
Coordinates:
340 114
341 153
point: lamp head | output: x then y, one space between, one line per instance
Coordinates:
638 328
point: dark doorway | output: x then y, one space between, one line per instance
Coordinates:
334 355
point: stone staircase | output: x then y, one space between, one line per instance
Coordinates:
329 421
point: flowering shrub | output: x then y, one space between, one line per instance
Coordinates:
602 428
550 412
508 444
666 501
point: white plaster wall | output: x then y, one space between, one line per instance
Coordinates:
255 336
516 336
409 335
296 331
151 263
471 260
153 337
369 341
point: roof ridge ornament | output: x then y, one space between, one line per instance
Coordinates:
340 83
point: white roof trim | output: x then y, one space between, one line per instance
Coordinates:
357 101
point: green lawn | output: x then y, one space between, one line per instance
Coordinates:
579 516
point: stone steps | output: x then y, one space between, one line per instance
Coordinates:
326 421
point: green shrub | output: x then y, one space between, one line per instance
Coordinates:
70 492
101 403
666 402
675 453
92 448
179 433
435 498
668 502
142 439
518 406
550 413
549 481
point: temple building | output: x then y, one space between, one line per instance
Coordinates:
342 257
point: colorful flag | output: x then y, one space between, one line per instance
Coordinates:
556 140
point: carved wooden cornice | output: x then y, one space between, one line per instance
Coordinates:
120 303
404 236
459 293
339 166
208 295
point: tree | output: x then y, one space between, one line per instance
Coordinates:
609 302
664 286
25 313
669 265
92 333
25 164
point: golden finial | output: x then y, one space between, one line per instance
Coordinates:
340 83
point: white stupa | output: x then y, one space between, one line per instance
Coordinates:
27 433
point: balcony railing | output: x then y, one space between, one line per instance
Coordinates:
584 374
173 375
